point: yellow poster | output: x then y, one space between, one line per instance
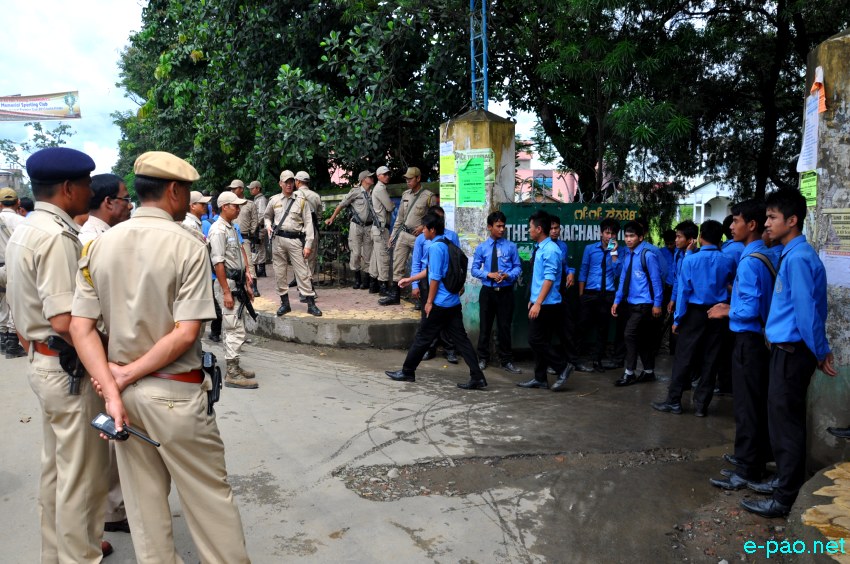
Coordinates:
61 105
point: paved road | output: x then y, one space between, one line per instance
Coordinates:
507 475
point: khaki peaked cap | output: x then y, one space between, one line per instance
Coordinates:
159 164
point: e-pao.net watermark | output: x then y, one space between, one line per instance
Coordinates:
773 547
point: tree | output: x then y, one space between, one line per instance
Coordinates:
41 138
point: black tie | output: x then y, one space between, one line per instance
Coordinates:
628 281
604 287
494 261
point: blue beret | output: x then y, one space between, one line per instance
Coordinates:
57 164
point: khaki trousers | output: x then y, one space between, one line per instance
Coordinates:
74 459
360 245
260 256
313 261
6 323
288 258
114 498
379 265
401 254
246 246
232 325
192 455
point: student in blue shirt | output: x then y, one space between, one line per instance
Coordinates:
638 298
730 246
419 292
703 282
686 241
747 314
597 284
544 305
442 313
796 327
496 264
566 331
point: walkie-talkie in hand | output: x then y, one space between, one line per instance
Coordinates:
106 425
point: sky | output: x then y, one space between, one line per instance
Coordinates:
51 46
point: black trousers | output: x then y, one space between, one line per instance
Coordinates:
596 321
750 359
449 320
638 334
790 374
696 354
663 323
724 379
540 330
442 338
496 303
215 324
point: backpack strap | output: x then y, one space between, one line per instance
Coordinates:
766 261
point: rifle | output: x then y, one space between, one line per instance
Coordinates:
69 361
240 293
214 393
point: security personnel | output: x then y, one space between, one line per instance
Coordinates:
260 203
302 184
150 375
9 221
41 261
359 201
796 327
227 260
247 223
408 224
197 208
289 224
379 266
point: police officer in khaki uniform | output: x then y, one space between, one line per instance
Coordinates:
227 260
302 185
150 375
197 208
408 224
9 221
260 203
41 261
359 201
379 266
289 224
247 222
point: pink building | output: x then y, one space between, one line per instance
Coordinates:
556 184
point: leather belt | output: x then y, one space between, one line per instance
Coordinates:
787 347
290 234
43 349
191 377
498 288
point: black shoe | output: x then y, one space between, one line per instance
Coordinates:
429 354
293 284
667 407
769 508
841 433
3 338
357 280
451 357
733 482
474 385
255 289
583 367
284 306
311 307
764 487
509 367
482 364
732 460
597 367
626 380
383 289
646 377
14 348
417 304
700 411
367 281
302 299
392 298
533 383
561 383
215 338
612 364
375 286
122 526
400 376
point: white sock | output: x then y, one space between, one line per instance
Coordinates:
629 372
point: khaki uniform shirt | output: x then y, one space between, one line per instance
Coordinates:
10 221
224 245
147 274
417 212
357 198
247 220
298 219
92 229
315 201
382 203
193 223
41 263
260 203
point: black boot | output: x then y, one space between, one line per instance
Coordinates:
374 286
383 289
284 305
393 297
367 281
293 284
357 280
254 288
13 346
311 307
3 338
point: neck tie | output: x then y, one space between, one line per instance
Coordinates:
604 287
494 261
628 281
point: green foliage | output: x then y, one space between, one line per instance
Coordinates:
41 138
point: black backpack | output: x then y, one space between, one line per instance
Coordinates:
455 278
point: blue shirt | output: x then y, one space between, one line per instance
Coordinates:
668 257
733 249
752 291
798 309
663 265
591 268
420 250
438 262
508 260
704 279
547 266
639 285
565 258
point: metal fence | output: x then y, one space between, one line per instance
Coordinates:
333 259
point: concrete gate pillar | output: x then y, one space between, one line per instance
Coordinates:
828 230
473 131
